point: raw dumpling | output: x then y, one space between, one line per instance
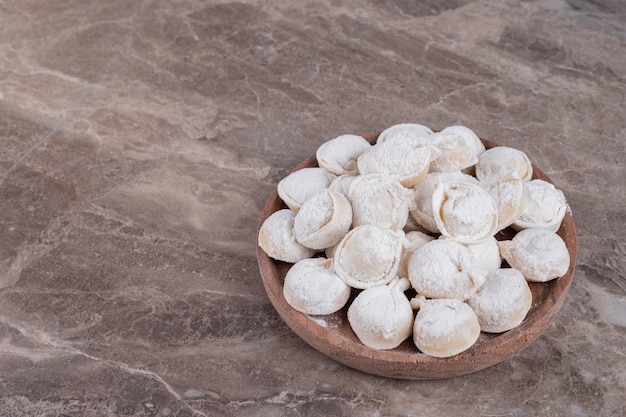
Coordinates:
368 256
276 238
341 184
338 156
503 162
323 220
455 153
405 131
544 206
539 254
311 287
298 186
413 240
443 269
471 139
485 255
400 158
503 301
380 200
444 327
422 211
464 212
382 316
508 194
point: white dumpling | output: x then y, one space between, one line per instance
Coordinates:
298 186
413 240
338 156
455 153
405 161
378 199
312 287
508 194
276 238
544 206
471 139
464 212
368 256
539 254
342 183
485 255
503 301
323 220
443 269
422 210
444 327
382 316
406 131
503 162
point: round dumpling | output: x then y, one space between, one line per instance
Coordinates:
338 156
406 131
503 301
444 327
382 316
471 139
342 183
413 240
311 287
464 212
485 255
455 153
368 256
276 238
504 162
422 211
544 206
405 161
443 269
323 220
508 194
380 200
298 186
539 254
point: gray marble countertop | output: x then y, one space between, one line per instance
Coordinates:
139 142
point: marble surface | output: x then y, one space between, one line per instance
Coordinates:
139 142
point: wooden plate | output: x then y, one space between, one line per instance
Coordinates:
332 335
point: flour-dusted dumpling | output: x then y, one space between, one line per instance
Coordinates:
455 154
508 194
323 220
503 162
379 199
503 301
444 269
413 240
342 183
298 186
539 254
422 210
485 255
402 159
464 212
382 316
444 327
312 287
544 206
338 156
368 256
471 139
276 238
406 131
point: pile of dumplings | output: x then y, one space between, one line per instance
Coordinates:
417 213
